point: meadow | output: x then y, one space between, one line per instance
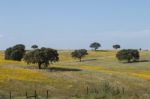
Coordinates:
99 76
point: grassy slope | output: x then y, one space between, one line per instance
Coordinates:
65 81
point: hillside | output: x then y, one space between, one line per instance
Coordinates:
69 78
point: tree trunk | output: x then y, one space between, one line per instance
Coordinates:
46 64
80 59
39 64
129 61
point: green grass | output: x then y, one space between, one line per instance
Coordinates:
70 78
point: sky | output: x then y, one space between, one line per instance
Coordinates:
74 24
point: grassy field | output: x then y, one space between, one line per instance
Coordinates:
100 72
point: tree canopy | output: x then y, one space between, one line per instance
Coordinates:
95 45
15 53
34 46
43 56
79 54
128 54
117 46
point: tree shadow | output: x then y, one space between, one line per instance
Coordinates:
52 69
140 61
144 61
60 69
89 60
102 50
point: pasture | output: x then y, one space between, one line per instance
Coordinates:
69 78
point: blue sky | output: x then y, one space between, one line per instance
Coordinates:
74 24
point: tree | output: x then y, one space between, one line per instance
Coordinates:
128 54
95 45
116 46
79 54
43 56
34 46
15 53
